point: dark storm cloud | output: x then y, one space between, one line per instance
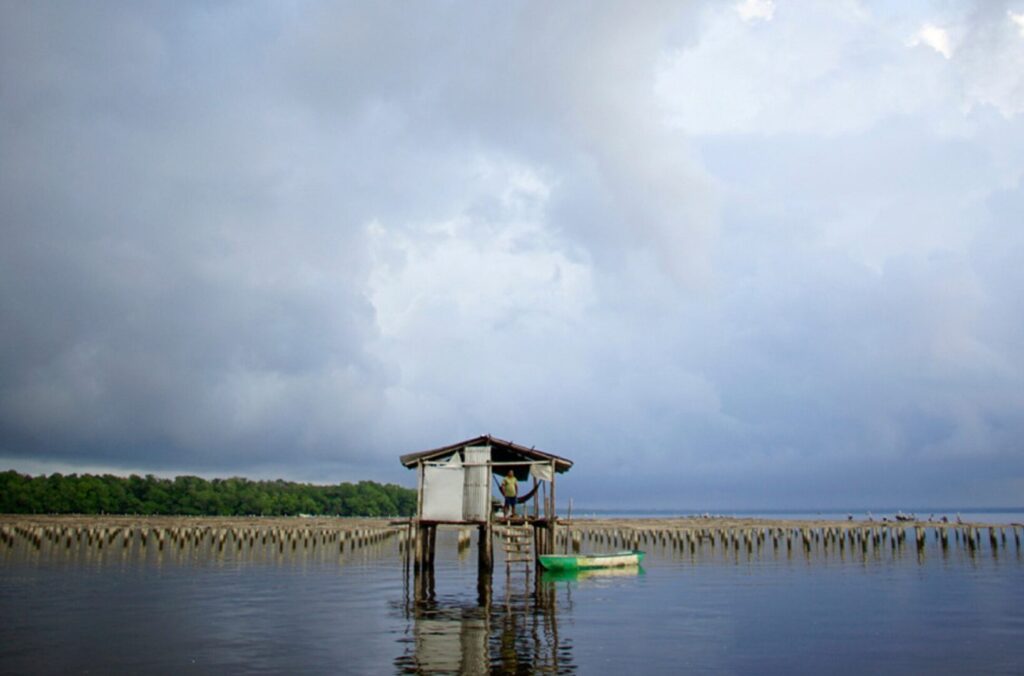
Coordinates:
187 195
176 287
300 240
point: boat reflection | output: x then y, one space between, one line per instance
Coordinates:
590 573
514 630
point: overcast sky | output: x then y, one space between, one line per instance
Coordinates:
748 254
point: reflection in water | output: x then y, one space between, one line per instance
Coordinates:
588 573
722 605
517 632
448 640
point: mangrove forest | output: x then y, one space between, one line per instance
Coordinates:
194 496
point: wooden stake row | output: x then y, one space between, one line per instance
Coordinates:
181 536
839 538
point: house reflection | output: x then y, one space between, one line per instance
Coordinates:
514 632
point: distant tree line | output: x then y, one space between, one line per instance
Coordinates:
190 495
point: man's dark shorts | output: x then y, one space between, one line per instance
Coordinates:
510 502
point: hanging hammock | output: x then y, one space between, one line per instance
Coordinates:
522 498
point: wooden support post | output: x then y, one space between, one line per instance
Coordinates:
428 545
537 544
403 547
417 545
537 503
419 490
553 474
543 539
431 546
485 549
484 588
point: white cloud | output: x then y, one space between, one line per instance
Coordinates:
835 68
1018 20
990 61
477 298
831 68
935 37
752 10
503 273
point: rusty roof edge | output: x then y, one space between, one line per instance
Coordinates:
410 458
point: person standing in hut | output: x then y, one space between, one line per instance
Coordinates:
510 489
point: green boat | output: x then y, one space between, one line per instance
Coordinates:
630 557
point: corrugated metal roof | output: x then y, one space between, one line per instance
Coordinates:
502 451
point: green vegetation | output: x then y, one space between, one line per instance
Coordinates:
190 495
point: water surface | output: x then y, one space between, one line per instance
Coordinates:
194 610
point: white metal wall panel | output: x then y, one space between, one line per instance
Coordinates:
442 493
476 500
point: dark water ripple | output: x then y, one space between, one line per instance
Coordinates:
80 610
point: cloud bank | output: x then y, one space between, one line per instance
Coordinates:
761 254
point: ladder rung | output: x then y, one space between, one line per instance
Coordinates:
518 545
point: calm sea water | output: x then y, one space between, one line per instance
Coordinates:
138 610
967 515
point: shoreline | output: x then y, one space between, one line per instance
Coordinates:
697 522
345 522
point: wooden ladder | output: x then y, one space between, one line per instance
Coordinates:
517 543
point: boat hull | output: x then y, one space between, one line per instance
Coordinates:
631 557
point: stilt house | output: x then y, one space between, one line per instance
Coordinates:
455 480
455 488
